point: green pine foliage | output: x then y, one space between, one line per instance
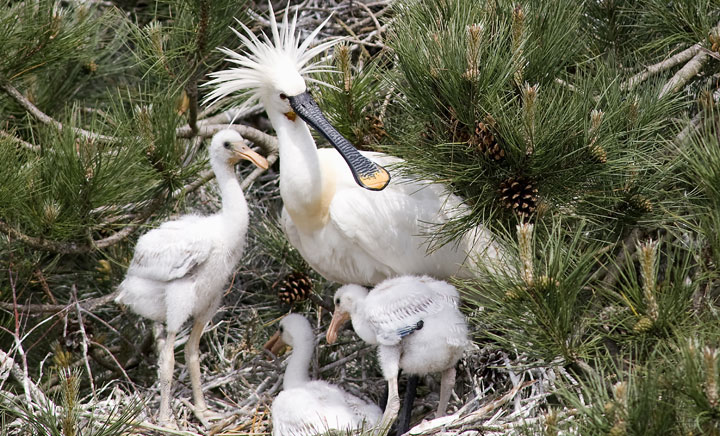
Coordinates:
562 117
605 195
351 99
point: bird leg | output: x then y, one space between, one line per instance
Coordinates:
392 407
166 365
403 424
447 382
192 360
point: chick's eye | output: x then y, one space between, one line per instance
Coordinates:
281 329
337 301
226 144
283 95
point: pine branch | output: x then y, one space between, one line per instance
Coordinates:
685 73
676 59
265 141
88 305
262 139
690 70
63 247
46 119
27 145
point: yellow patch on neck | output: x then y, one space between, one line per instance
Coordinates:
316 214
291 115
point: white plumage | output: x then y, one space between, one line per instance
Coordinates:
180 269
346 233
416 323
305 407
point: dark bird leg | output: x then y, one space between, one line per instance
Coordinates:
403 422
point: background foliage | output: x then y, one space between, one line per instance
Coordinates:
585 134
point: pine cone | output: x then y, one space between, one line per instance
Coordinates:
376 130
296 286
598 153
484 140
519 194
457 130
643 325
640 203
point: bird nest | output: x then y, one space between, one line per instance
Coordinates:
495 392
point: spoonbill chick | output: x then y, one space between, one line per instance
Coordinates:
416 323
180 269
346 233
305 407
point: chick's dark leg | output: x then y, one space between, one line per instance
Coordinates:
403 422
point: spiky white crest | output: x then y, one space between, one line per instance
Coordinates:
270 66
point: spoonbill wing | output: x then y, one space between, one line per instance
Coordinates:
171 251
396 309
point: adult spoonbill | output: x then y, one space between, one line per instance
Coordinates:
416 324
346 233
305 407
180 269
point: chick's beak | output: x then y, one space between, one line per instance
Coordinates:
275 344
340 317
242 151
367 173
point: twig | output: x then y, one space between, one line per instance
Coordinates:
85 341
375 20
685 73
64 247
27 145
88 305
46 119
345 359
31 389
267 142
688 71
455 421
678 58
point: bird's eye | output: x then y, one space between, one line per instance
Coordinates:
226 144
281 329
337 301
283 95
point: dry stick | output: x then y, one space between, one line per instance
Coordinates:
85 341
267 142
32 390
44 284
345 359
46 119
119 366
27 145
678 58
87 305
685 73
690 128
688 71
63 247
455 421
375 20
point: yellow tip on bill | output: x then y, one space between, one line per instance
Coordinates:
377 181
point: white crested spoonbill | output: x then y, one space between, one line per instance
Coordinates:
346 233
179 270
305 407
